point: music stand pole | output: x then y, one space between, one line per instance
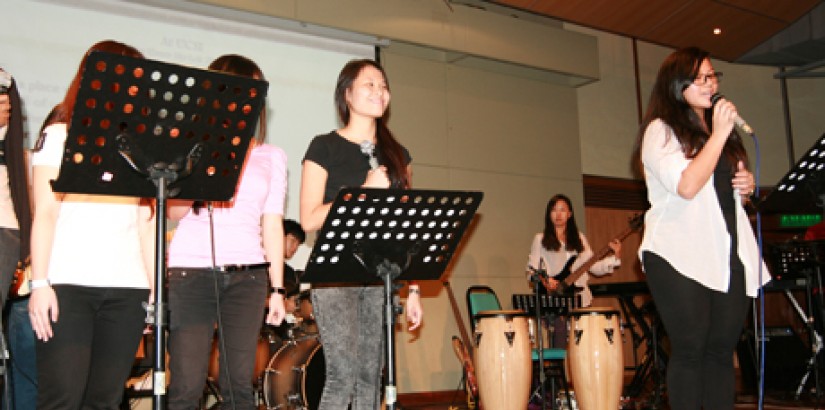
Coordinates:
373 235
388 272
149 129
537 284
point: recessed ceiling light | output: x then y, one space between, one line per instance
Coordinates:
717 31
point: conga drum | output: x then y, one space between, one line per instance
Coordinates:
595 358
502 356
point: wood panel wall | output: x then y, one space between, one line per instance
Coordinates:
611 202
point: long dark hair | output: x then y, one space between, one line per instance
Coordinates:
241 66
572 241
62 113
389 150
667 102
244 67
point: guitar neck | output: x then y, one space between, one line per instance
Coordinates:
603 252
465 338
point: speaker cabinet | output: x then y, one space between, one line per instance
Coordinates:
786 359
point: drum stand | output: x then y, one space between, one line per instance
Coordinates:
388 235
535 278
149 129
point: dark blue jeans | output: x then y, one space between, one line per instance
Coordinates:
86 364
703 327
23 373
9 256
196 298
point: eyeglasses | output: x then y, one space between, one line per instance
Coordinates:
703 79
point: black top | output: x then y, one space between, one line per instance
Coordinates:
343 160
722 182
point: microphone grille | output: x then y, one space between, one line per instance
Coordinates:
715 98
367 148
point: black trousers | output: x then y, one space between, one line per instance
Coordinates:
86 364
703 327
196 298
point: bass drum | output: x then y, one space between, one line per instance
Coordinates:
295 376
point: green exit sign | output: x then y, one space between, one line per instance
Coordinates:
799 221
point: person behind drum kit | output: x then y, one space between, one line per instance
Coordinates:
15 229
559 242
223 261
698 250
294 236
91 272
350 318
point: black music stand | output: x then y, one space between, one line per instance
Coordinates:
383 235
804 185
535 278
144 128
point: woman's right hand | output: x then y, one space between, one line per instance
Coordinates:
43 311
377 178
724 115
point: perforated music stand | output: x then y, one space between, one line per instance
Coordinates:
144 128
381 235
804 186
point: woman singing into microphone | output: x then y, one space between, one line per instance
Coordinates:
698 251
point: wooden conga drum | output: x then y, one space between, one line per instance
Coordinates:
595 358
502 356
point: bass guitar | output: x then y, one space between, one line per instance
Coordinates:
20 281
464 356
566 279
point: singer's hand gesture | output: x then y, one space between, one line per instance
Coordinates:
724 115
743 181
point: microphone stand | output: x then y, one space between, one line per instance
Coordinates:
535 278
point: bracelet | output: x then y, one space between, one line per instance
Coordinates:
278 289
39 283
414 290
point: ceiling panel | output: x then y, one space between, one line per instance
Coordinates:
694 25
745 24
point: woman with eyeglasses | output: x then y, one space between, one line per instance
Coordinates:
698 251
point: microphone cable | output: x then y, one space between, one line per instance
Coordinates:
759 333
224 360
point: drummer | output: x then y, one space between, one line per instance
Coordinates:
294 236
559 242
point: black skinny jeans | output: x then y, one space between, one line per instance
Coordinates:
193 309
703 327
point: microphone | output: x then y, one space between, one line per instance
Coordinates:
738 120
368 149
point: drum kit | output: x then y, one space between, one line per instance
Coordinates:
503 358
289 365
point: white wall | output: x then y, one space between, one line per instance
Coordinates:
43 41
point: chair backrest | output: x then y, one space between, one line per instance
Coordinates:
480 297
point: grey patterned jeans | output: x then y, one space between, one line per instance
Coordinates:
350 321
